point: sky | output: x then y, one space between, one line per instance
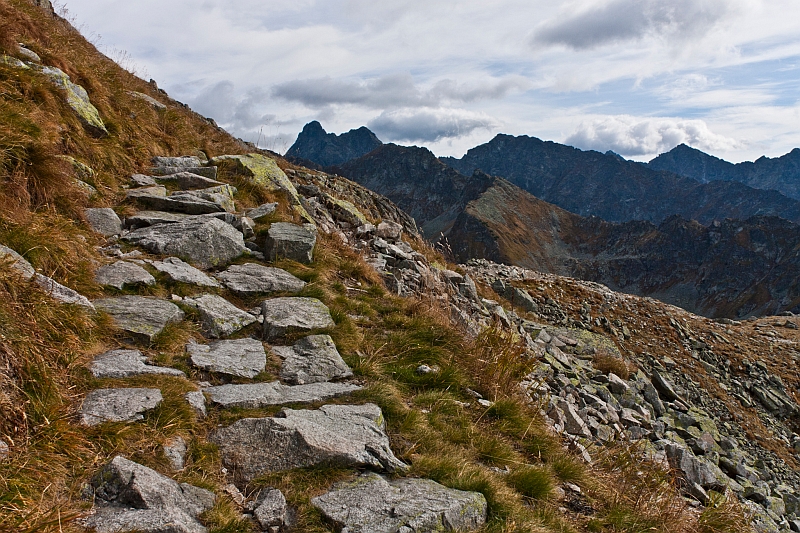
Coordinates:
637 77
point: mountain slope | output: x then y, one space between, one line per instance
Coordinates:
325 149
781 174
593 184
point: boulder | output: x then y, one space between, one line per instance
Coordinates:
205 241
123 273
104 221
294 314
17 262
126 363
132 497
180 202
182 272
347 435
78 100
140 316
28 54
257 395
345 211
391 231
244 358
260 213
118 405
263 171
290 241
372 504
219 317
312 359
251 278
61 293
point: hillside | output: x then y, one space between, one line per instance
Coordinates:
780 174
730 269
197 336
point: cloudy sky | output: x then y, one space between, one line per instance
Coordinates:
633 76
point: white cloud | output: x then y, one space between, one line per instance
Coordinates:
428 124
632 136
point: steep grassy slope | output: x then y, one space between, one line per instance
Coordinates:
503 451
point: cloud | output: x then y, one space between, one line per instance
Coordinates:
632 136
391 91
428 124
626 20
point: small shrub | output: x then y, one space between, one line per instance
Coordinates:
724 513
607 362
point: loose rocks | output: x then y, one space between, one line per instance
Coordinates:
371 504
312 359
142 317
270 509
123 273
205 241
125 364
219 317
291 314
256 395
242 357
348 435
118 405
291 241
252 278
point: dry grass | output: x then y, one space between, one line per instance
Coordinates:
608 362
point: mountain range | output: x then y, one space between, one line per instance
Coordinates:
720 248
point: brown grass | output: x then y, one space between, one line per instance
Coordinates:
606 361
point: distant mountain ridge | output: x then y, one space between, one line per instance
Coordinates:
590 183
314 144
781 174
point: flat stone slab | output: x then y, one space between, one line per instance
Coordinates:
103 220
123 273
312 359
182 272
131 497
118 405
186 203
140 316
187 181
219 317
207 172
252 278
290 241
291 314
142 219
372 504
256 395
347 435
207 242
126 363
183 161
244 358
261 212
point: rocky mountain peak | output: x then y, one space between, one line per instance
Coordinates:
314 144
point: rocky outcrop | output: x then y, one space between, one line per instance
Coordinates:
327 149
78 100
